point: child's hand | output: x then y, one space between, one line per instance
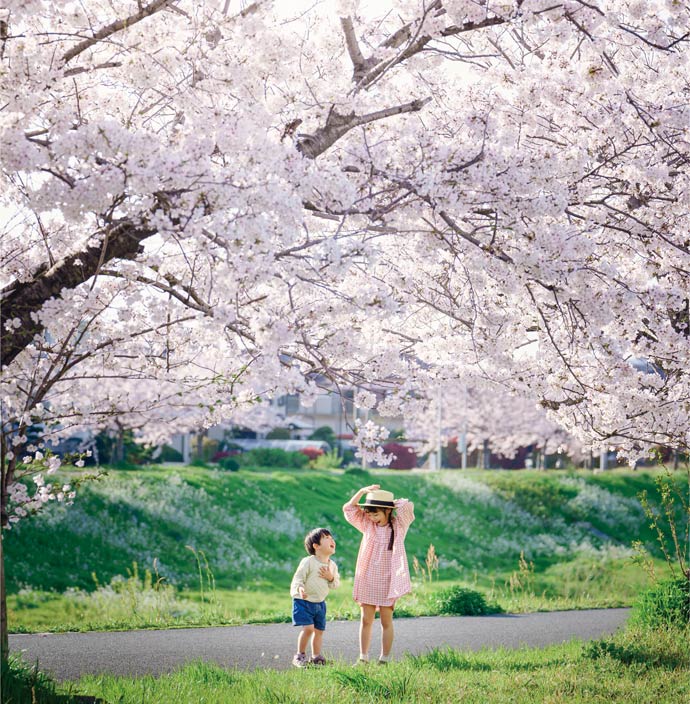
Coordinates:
326 573
364 490
302 593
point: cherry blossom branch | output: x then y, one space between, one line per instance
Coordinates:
655 45
66 359
337 125
74 360
115 27
490 249
473 240
583 30
361 65
188 296
87 69
554 344
419 43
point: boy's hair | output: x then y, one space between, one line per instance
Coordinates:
315 536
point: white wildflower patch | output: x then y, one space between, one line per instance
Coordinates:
489 525
124 597
609 508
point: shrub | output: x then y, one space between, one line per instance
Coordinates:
24 683
324 432
311 452
460 601
356 471
279 434
119 447
667 603
230 449
328 460
272 457
405 457
169 454
209 447
229 464
646 649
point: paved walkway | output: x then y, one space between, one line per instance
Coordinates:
69 655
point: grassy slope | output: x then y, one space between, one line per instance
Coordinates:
575 531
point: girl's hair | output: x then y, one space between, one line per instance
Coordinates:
315 536
374 509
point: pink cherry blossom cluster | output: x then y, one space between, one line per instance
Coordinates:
368 440
24 502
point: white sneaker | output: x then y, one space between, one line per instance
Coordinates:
300 660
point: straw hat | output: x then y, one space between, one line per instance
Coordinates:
379 499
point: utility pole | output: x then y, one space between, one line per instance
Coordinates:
366 418
604 458
439 430
463 437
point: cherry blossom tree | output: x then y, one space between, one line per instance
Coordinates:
206 203
486 418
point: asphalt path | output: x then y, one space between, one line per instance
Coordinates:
68 656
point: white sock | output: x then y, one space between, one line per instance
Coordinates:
364 656
384 658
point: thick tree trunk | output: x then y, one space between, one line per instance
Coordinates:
486 455
200 444
7 468
4 639
119 446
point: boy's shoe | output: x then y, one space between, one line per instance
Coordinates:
299 660
318 660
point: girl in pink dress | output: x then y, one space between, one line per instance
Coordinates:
382 574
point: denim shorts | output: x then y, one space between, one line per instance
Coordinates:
308 613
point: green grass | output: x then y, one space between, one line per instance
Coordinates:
21 683
635 666
178 546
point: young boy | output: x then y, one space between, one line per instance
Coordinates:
314 578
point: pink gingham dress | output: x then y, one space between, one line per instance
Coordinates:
381 575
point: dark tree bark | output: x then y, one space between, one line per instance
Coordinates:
18 301
4 639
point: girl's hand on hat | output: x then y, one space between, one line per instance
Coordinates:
364 490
